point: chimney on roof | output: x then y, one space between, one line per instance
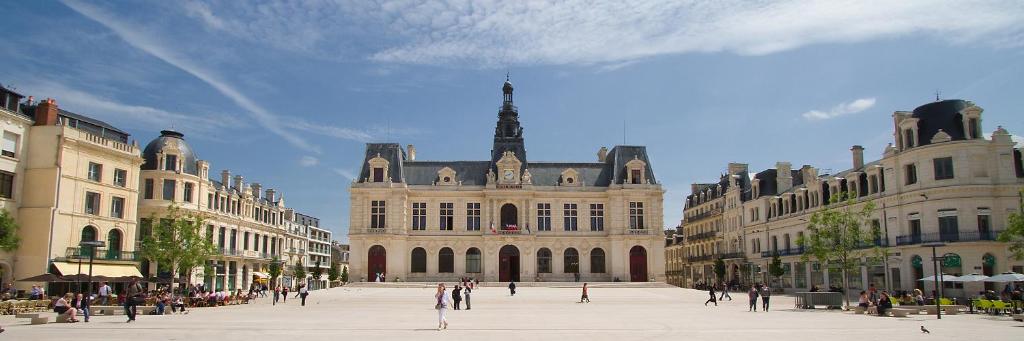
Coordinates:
783 176
270 194
256 190
239 183
858 156
225 178
602 154
30 100
411 151
736 168
46 113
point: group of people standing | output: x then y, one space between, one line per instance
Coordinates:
444 299
757 290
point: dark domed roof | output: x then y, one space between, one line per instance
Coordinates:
943 115
174 140
507 86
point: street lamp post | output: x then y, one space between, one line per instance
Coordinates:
92 254
938 277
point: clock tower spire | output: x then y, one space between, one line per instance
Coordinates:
508 134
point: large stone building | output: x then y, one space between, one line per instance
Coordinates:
66 178
506 218
941 180
246 223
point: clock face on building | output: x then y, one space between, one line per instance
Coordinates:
509 174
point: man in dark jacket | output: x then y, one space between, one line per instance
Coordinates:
82 302
512 287
133 294
457 296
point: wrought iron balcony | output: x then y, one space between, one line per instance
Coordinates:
783 252
702 236
710 213
694 259
734 255
100 253
974 236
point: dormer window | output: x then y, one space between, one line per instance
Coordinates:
635 172
378 169
908 139
171 163
446 176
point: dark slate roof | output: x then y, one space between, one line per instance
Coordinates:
187 155
474 173
943 115
90 120
768 182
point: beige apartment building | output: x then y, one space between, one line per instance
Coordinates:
75 179
245 223
506 218
941 180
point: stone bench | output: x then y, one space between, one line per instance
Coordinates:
902 312
859 310
63 318
106 310
38 318
1018 317
145 310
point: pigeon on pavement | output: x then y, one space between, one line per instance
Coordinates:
924 330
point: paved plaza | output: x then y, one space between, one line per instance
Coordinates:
548 313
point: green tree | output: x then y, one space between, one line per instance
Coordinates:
333 273
299 271
317 272
274 270
344 274
8 232
720 269
836 237
178 241
1014 233
775 269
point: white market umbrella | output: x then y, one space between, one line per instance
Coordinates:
969 278
1006 277
945 278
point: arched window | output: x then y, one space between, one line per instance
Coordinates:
473 260
88 235
571 259
446 260
544 261
597 261
419 260
114 244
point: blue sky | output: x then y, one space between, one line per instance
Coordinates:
287 93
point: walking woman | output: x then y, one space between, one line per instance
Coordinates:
443 300
766 295
753 298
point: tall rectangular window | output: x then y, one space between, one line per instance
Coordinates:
120 177
911 174
569 217
473 217
447 215
636 176
378 174
169 186
147 189
543 217
6 185
171 163
187 192
117 207
419 216
985 225
92 203
209 201
10 144
636 215
245 241
943 168
597 217
95 172
949 230
377 211
915 230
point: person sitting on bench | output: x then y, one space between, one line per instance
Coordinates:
62 307
884 304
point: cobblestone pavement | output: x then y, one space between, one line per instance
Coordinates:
535 313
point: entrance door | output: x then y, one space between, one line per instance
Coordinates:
638 264
508 259
377 262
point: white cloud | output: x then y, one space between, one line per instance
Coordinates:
309 161
106 109
136 37
841 109
328 130
345 173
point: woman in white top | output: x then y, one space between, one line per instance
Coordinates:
63 307
443 300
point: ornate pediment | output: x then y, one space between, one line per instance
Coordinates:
570 177
446 177
509 168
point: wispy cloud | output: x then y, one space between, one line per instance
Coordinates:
110 110
345 173
329 130
135 36
308 161
841 109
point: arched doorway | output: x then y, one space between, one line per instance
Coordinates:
88 235
114 244
419 260
508 260
916 263
509 217
446 260
638 264
988 268
377 263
